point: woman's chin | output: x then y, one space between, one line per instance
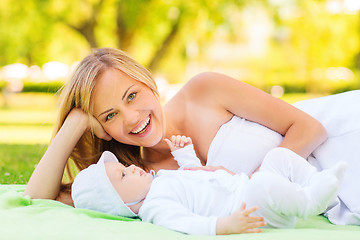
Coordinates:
154 142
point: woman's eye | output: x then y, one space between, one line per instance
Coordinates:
110 116
131 96
123 174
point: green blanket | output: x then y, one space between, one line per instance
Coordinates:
25 218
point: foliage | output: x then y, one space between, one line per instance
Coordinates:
314 41
144 28
2 85
45 87
273 42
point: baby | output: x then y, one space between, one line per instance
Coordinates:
285 188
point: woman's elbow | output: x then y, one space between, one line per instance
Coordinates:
317 133
321 131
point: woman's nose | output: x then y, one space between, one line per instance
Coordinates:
131 116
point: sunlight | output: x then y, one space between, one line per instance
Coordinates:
55 70
352 5
340 6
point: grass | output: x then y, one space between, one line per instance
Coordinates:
26 122
18 161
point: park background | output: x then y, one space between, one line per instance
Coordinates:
292 49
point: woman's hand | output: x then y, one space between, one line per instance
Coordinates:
210 169
98 129
91 123
240 222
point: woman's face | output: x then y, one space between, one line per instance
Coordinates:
127 109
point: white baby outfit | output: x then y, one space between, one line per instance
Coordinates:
241 146
191 201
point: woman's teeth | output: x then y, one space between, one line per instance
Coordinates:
142 127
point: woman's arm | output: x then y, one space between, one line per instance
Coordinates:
46 178
302 133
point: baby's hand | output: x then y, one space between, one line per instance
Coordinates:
240 222
177 142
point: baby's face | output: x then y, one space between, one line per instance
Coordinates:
131 183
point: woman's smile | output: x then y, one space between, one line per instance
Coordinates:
142 127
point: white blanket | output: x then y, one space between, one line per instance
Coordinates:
340 115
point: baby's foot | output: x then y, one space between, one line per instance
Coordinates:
323 187
338 170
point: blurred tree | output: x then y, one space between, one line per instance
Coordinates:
23 32
45 29
157 22
305 35
309 39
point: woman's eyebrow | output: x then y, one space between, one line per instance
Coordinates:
106 111
127 90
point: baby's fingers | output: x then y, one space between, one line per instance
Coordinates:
170 144
253 223
255 219
246 212
256 230
180 141
243 206
187 141
176 140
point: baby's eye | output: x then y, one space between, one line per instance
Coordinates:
131 96
110 116
123 174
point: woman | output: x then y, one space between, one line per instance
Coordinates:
111 103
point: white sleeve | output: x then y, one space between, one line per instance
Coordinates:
186 157
171 214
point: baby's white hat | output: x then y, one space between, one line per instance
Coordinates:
93 190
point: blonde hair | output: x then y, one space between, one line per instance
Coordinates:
77 94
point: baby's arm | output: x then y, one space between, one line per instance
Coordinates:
183 151
168 212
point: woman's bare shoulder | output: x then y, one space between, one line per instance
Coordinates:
206 80
195 89
206 86
201 96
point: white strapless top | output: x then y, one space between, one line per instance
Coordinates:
241 145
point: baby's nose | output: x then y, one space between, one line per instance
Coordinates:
132 168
